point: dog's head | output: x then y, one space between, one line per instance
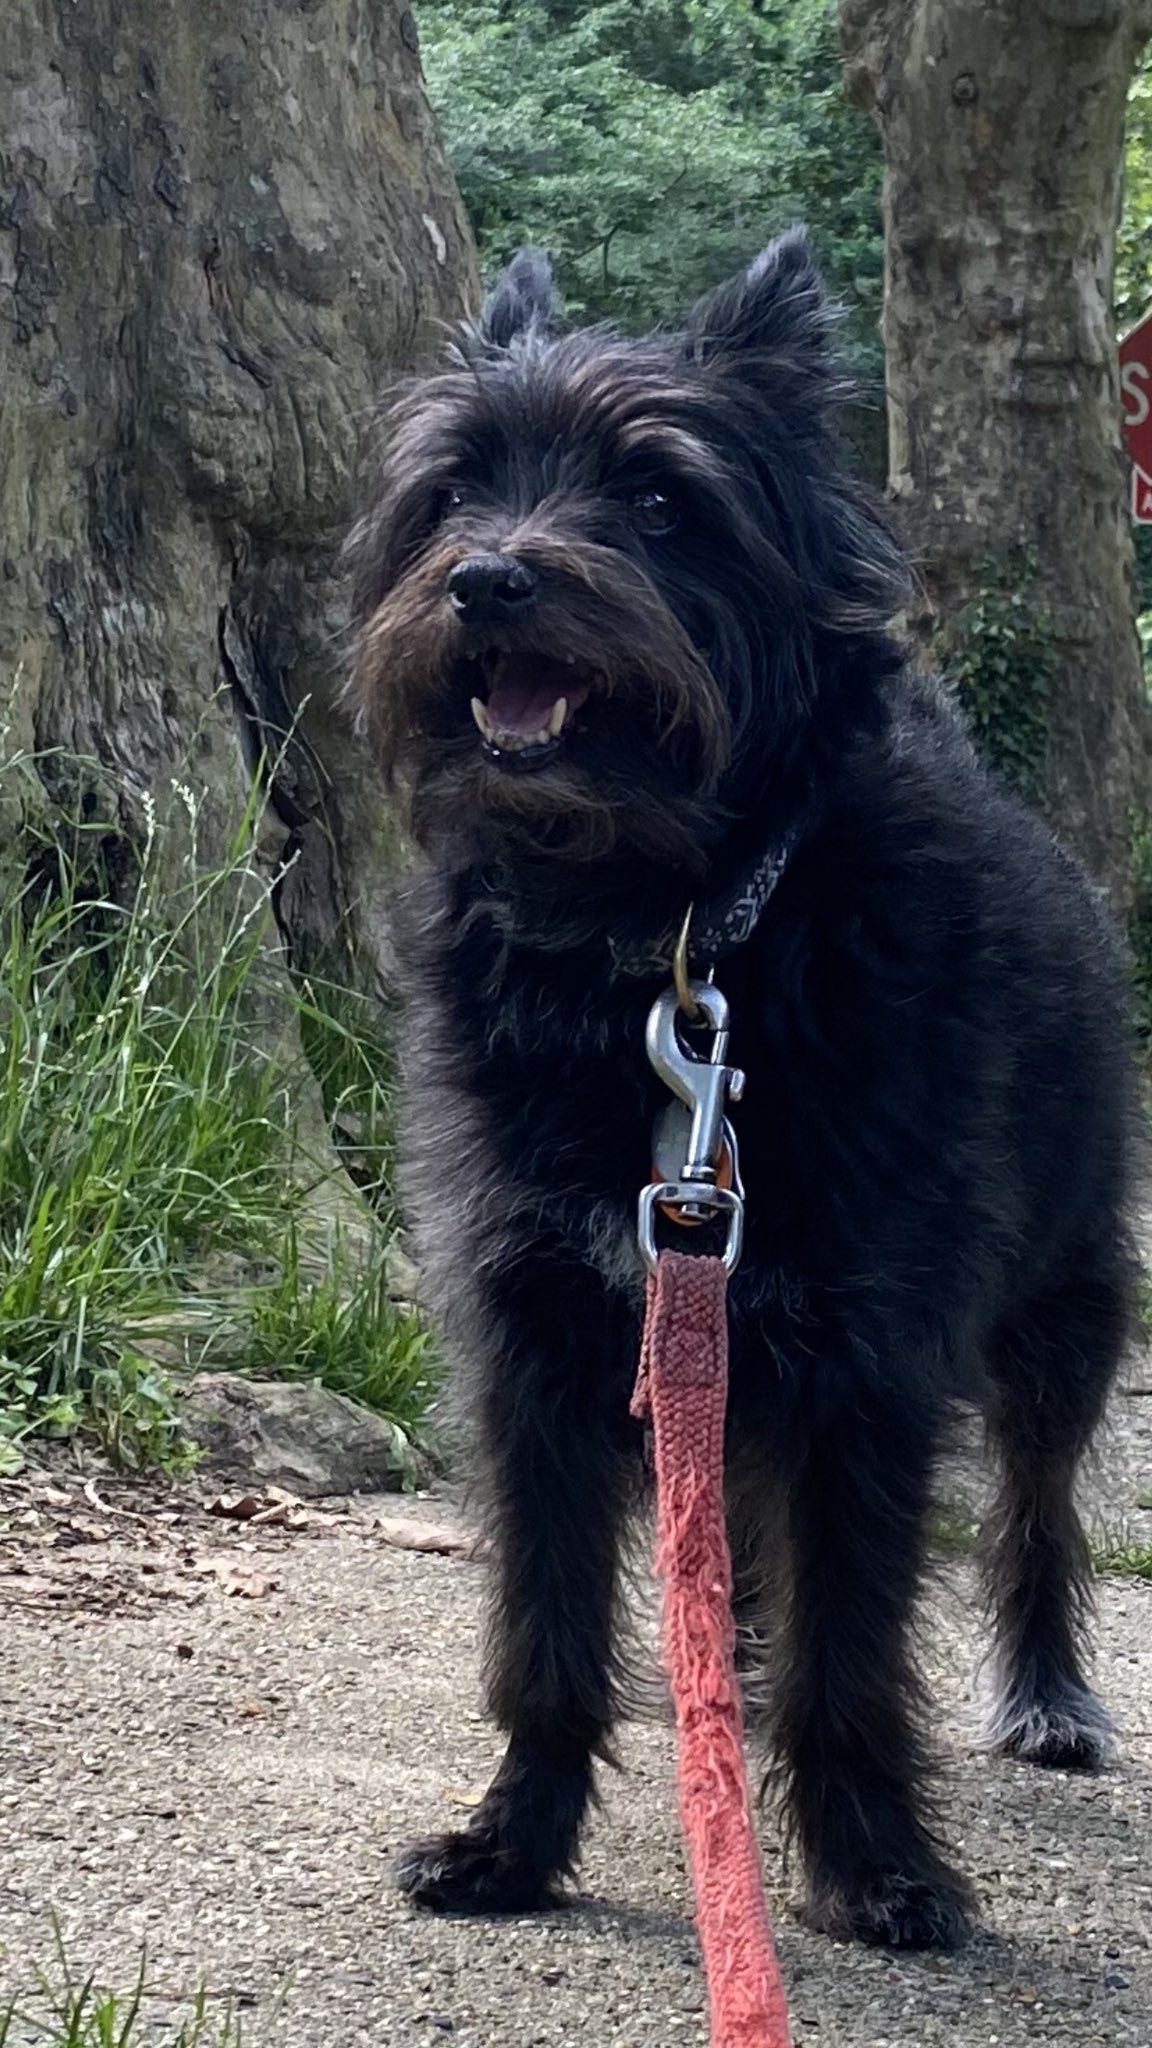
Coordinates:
608 588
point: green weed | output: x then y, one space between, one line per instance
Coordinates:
66 2011
150 1136
342 1327
1123 1557
953 1531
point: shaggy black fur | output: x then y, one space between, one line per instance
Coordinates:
935 1135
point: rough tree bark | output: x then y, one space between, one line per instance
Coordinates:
223 228
1003 129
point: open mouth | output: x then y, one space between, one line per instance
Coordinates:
525 703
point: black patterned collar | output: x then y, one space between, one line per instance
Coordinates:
719 927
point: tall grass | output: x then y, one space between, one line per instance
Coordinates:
70 2011
85 2015
159 1203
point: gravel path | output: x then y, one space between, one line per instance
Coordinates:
213 1739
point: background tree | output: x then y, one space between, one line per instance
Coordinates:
1003 134
652 147
223 228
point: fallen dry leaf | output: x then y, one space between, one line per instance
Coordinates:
275 1508
281 1515
236 1578
82 1529
439 1539
456 1797
237 1507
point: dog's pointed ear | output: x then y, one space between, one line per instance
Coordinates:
524 298
775 309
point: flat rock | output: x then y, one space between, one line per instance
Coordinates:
295 1434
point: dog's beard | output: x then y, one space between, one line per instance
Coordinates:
592 723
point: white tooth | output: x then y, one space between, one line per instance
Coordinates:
556 720
480 714
541 738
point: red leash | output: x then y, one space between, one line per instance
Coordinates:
682 1390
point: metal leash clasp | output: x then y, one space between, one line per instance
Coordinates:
704 1084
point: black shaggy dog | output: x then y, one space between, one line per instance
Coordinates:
623 636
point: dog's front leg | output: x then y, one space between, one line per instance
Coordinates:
555 1436
849 1738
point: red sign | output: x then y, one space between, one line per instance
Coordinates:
1136 396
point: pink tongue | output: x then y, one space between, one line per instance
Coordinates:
524 690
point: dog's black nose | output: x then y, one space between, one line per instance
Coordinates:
488 587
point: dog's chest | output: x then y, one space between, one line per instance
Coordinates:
534 1100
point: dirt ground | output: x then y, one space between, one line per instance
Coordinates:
214 1736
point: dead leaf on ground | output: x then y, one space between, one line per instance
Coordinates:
456 1797
275 1508
437 1539
236 1507
82 1529
235 1578
89 1587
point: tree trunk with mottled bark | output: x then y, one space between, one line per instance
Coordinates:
1003 132
223 228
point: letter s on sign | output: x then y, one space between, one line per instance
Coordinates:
1134 379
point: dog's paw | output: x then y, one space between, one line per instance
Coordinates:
890 1910
1069 1731
468 1873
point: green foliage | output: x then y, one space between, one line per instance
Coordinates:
1134 242
1134 284
67 2011
654 145
953 1530
997 653
342 1033
342 1326
1123 1557
151 1153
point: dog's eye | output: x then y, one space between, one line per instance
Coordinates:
654 512
451 500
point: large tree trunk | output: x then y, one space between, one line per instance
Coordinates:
1003 130
224 226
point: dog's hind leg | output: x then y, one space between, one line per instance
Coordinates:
1051 1367
853 1760
558 1485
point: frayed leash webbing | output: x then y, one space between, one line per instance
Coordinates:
683 1389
